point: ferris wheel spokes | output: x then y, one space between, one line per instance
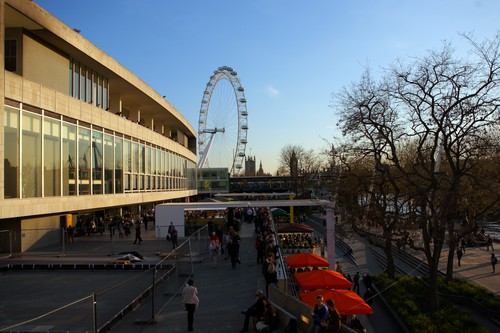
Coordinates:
223 110
212 133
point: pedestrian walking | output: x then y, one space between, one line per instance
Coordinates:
460 254
356 282
489 243
494 261
226 240
174 237
234 248
259 247
368 296
367 279
169 229
138 237
214 249
71 234
462 244
191 302
338 267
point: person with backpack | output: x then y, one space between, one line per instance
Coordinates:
494 261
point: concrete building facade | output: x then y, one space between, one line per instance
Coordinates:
80 132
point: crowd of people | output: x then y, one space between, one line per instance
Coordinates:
118 225
301 240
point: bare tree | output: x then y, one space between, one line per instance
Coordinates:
445 110
302 165
368 118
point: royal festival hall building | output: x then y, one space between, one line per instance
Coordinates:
81 134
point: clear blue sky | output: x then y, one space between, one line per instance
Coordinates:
290 55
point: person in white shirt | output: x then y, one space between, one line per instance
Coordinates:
191 301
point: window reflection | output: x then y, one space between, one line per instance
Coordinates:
79 160
31 155
52 158
84 162
108 163
11 153
97 162
69 159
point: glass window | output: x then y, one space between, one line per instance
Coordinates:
142 165
162 168
99 91
148 167
88 87
11 153
118 165
108 163
51 158
76 80
158 169
94 89
70 79
84 161
69 159
83 80
97 162
127 161
153 168
105 95
31 155
10 55
135 165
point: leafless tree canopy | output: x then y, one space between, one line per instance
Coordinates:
430 127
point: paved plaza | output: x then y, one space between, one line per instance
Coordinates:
223 291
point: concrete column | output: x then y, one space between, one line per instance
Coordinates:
330 236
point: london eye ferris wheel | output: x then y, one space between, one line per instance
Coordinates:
223 122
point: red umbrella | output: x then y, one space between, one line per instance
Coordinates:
321 279
346 301
306 260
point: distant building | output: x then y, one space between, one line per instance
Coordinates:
260 172
294 165
250 166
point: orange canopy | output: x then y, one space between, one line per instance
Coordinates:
321 279
306 260
347 302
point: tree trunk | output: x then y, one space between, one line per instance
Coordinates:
451 254
433 285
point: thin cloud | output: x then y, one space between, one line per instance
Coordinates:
273 92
